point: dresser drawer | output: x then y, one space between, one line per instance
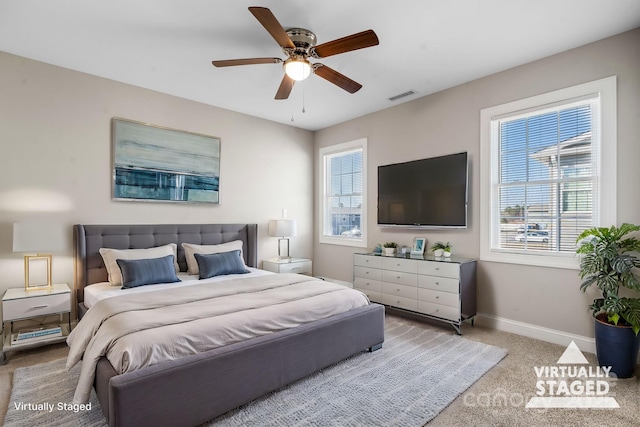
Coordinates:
44 305
439 284
367 261
399 264
442 269
367 273
439 310
400 302
363 283
400 277
400 290
438 297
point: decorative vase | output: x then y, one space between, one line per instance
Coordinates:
446 254
438 252
617 346
389 251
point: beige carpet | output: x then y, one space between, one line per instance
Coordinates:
497 399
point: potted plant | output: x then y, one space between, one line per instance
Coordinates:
447 250
441 249
390 248
608 262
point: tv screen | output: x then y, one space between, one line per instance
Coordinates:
424 193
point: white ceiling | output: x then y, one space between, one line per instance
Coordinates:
425 45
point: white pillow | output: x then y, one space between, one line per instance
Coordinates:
109 256
190 249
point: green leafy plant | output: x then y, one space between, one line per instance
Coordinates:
439 245
390 245
608 262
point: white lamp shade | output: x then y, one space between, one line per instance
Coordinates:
297 69
37 237
283 228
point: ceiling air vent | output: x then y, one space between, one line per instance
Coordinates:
402 95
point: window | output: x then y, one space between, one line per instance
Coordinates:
343 194
547 173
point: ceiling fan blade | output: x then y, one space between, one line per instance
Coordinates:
248 61
285 87
346 44
271 24
336 78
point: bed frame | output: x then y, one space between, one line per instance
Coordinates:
200 387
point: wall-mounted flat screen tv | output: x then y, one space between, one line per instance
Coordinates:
424 193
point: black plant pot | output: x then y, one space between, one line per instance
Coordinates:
617 346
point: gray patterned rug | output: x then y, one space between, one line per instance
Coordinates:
417 374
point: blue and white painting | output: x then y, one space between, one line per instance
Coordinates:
159 164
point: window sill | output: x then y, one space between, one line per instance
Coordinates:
341 241
543 260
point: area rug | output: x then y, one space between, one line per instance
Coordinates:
418 372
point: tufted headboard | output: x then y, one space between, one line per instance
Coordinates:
88 239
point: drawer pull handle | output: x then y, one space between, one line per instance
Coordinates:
397 277
437 283
437 268
398 289
41 306
437 296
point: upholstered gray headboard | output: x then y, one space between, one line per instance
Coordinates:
88 239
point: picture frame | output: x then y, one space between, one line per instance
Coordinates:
159 164
419 244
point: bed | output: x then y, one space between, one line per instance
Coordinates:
194 389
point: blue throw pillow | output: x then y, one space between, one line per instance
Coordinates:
148 271
211 265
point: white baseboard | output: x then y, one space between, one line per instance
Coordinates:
554 336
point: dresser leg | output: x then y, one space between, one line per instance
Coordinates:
3 357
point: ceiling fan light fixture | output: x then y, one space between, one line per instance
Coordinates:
297 68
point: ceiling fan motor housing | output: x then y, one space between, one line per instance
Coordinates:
303 39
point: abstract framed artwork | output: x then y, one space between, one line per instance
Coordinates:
153 163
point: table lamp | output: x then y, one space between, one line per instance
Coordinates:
37 238
283 228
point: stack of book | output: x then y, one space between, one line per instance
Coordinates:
35 334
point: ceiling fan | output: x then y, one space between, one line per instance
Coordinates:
299 45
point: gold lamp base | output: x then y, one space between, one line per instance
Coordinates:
37 260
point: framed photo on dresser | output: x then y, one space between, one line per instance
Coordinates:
418 245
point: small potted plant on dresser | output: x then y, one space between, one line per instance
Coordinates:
390 248
608 262
440 249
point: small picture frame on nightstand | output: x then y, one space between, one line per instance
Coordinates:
418 246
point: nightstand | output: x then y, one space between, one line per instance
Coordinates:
288 265
18 305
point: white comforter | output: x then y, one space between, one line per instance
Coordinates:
139 330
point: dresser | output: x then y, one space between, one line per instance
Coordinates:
440 288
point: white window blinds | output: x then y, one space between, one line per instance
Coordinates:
545 177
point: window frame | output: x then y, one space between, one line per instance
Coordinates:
606 130
323 153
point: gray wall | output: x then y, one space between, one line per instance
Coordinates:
449 122
55 131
